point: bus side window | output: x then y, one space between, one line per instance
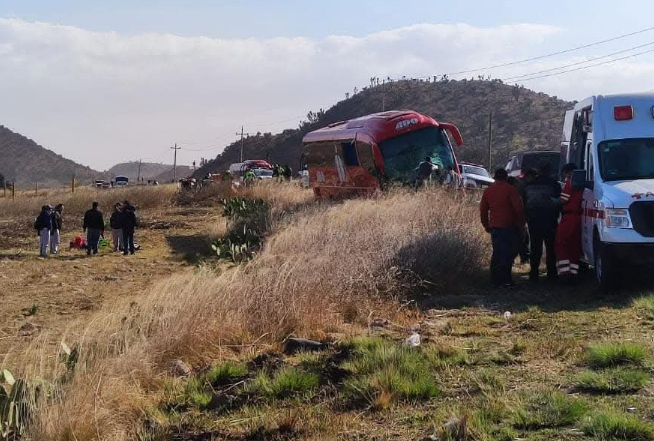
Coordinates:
319 154
366 156
349 154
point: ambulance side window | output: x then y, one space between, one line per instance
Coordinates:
591 165
590 173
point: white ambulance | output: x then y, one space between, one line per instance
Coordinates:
611 139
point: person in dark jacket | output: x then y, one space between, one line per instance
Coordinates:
425 169
43 226
116 227
57 224
94 228
128 222
288 172
541 196
502 215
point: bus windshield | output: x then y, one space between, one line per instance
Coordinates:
404 153
627 159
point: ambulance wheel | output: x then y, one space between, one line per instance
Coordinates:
605 268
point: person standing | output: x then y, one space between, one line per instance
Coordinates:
57 224
94 228
425 169
128 223
116 228
503 216
541 198
568 233
43 226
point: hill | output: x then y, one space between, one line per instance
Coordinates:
149 170
26 162
522 119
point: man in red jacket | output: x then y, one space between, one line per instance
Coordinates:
568 234
503 216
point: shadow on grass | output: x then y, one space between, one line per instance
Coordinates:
548 295
191 249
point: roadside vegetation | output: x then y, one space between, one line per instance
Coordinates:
200 354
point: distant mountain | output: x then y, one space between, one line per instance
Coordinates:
26 162
149 170
522 119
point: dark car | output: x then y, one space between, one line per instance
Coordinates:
523 161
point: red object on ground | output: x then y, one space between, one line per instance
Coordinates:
501 207
78 243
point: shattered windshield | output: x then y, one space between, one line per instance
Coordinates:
404 153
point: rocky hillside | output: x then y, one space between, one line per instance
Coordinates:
25 162
149 170
522 119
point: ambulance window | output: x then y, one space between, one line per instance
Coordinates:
590 174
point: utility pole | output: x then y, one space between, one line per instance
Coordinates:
175 162
242 140
490 142
138 177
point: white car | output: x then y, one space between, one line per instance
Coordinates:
611 140
262 173
475 176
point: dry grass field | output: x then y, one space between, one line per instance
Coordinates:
360 275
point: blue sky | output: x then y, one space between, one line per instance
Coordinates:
105 82
292 18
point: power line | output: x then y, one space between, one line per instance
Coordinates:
579 62
586 67
540 57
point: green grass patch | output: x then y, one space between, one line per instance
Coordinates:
604 355
226 373
383 371
446 356
287 383
612 381
196 395
548 409
612 425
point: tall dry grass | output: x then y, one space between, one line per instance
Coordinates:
29 204
323 263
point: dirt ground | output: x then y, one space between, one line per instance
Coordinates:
45 295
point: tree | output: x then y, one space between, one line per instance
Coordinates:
516 91
347 95
2 180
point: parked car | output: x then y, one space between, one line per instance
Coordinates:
523 161
121 181
474 176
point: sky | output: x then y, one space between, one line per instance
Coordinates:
104 82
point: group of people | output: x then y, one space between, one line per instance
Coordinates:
427 171
48 225
538 208
282 172
123 222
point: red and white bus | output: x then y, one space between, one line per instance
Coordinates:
357 157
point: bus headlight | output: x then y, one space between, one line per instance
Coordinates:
618 218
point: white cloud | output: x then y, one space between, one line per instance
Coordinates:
101 98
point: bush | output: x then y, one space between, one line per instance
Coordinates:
611 425
612 381
602 355
548 409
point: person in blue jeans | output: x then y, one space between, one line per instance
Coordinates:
94 228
